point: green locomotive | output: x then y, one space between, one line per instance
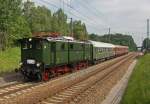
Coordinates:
44 57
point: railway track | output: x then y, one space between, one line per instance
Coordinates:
75 91
14 88
9 84
59 90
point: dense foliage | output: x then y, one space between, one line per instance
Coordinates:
19 20
146 44
12 23
118 39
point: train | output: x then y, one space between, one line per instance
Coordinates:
43 58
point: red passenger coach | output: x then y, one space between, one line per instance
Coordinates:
120 50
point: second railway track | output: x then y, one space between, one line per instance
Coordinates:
61 90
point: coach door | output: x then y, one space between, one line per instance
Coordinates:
46 53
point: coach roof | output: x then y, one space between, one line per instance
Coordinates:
102 44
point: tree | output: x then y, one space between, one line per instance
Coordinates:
117 39
59 23
12 22
39 18
19 20
79 30
27 12
146 44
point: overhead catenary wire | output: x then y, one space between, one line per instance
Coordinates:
93 10
96 23
83 14
87 20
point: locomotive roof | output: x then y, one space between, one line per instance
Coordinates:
106 45
60 39
67 39
102 44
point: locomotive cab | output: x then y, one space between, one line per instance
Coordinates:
31 58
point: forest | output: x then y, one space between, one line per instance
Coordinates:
146 45
20 19
117 38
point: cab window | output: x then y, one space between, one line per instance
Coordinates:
24 45
31 45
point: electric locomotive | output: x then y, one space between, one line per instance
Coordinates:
44 57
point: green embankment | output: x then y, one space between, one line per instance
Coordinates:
9 60
138 90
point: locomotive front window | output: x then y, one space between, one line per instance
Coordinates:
24 45
31 45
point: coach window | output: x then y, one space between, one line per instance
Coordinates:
100 49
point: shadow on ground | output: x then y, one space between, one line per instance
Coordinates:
10 77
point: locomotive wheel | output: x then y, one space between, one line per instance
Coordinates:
26 79
46 76
39 77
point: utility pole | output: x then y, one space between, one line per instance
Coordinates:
60 3
148 28
71 19
63 5
109 35
71 27
147 34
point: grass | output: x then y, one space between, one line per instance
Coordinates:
9 60
138 90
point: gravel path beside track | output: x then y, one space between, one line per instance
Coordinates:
41 92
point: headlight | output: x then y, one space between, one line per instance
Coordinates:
30 39
20 63
38 64
30 61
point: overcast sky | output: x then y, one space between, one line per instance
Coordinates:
122 16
